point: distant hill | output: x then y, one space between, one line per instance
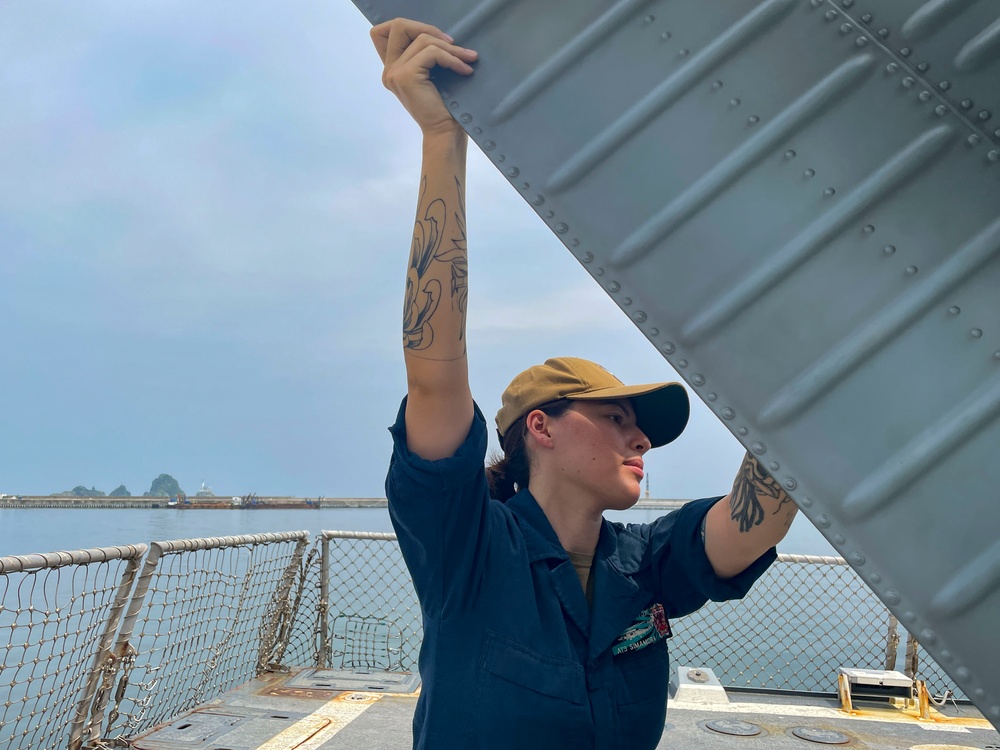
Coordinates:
81 491
120 491
165 486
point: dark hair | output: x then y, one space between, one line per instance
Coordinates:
508 473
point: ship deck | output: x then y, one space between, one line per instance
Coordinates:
275 712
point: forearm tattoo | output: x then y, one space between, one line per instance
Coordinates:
752 484
423 289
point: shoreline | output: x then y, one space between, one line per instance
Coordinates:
227 503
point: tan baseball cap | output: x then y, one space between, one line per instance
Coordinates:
661 409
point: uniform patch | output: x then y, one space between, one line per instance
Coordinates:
650 626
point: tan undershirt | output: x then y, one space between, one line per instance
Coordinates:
583 561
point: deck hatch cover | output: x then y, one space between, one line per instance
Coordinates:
798 203
359 680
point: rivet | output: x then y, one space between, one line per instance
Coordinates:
924 96
876 578
907 82
816 3
561 228
712 396
867 18
626 301
682 363
734 102
598 271
682 52
940 110
869 228
911 270
861 41
742 431
698 380
847 3
538 200
728 413
954 310
995 711
654 331
839 538
774 466
976 333
858 559
946 655
790 483
445 93
997 132
789 154
944 85
845 28
979 692
500 158
465 117
668 348
640 316
809 173
806 502
888 250
993 155
614 286
962 673
892 597
966 104
753 120
759 448
829 191
525 185
883 33
908 616
928 636
830 15
552 215
665 36
891 67
648 20
513 172
716 85
489 145
454 104
905 52
574 242
973 140
822 521
588 257
923 67
996 354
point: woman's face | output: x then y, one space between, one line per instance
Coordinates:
599 447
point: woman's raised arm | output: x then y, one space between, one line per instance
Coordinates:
439 407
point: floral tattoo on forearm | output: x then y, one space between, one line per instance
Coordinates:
752 484
423 294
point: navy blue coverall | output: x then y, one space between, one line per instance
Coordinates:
512 655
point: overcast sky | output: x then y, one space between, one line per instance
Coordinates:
205 213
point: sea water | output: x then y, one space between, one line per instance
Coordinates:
27 530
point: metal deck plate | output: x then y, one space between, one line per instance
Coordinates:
798 203
361 680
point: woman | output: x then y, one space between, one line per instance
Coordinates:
544 624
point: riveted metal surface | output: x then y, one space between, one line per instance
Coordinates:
798 203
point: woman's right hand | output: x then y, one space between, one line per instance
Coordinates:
409 51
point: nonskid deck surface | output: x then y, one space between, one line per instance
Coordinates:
266 714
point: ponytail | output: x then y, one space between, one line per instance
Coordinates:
509 472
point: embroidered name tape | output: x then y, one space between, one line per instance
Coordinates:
650 626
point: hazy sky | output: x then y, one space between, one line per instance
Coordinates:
205 213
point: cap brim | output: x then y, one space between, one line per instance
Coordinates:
661 409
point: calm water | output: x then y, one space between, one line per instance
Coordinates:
47 529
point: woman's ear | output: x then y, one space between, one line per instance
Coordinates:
537 422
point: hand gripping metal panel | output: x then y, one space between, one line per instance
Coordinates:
798 203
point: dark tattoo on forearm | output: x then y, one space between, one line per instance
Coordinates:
752 484
423 294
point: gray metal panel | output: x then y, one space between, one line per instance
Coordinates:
797 205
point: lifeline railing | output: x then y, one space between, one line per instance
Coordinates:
94 652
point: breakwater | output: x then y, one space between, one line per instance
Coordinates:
233 503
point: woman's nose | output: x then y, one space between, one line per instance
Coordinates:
642 442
